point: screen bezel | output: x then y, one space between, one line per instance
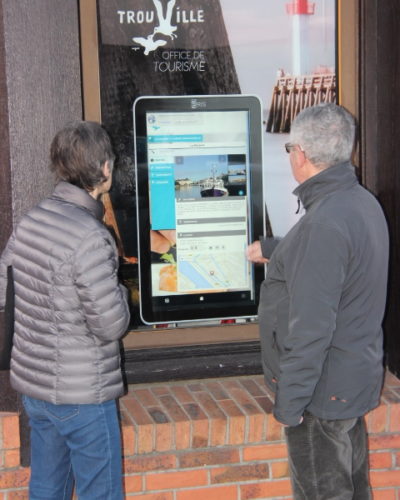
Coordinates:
210 308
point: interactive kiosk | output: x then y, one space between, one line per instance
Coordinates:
200 203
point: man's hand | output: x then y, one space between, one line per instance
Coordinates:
286 425
254 254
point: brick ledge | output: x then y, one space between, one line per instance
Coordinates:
212 438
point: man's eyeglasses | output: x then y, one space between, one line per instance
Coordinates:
289 146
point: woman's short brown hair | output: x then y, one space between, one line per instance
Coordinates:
79 151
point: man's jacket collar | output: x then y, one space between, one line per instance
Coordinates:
338 177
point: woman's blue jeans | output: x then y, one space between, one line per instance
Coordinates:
328 459
74 442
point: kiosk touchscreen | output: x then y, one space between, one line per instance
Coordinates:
200 203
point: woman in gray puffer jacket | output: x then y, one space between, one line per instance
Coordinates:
70 312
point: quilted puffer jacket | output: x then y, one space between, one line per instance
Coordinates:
70 310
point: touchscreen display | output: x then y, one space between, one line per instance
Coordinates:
196 216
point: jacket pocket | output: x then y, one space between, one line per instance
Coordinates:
276 344
349 384
282 324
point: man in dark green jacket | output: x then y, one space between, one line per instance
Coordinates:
321 309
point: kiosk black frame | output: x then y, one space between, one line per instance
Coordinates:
195 306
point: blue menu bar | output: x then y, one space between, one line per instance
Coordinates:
162 196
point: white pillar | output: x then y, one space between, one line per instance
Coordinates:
300 45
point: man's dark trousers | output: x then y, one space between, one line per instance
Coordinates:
328 459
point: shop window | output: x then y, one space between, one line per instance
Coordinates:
291 54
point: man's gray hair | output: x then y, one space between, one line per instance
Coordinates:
326 133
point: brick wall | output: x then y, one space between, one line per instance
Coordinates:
213 439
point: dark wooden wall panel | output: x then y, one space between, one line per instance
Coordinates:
40 90
380 126
44 88
5 173
8 399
